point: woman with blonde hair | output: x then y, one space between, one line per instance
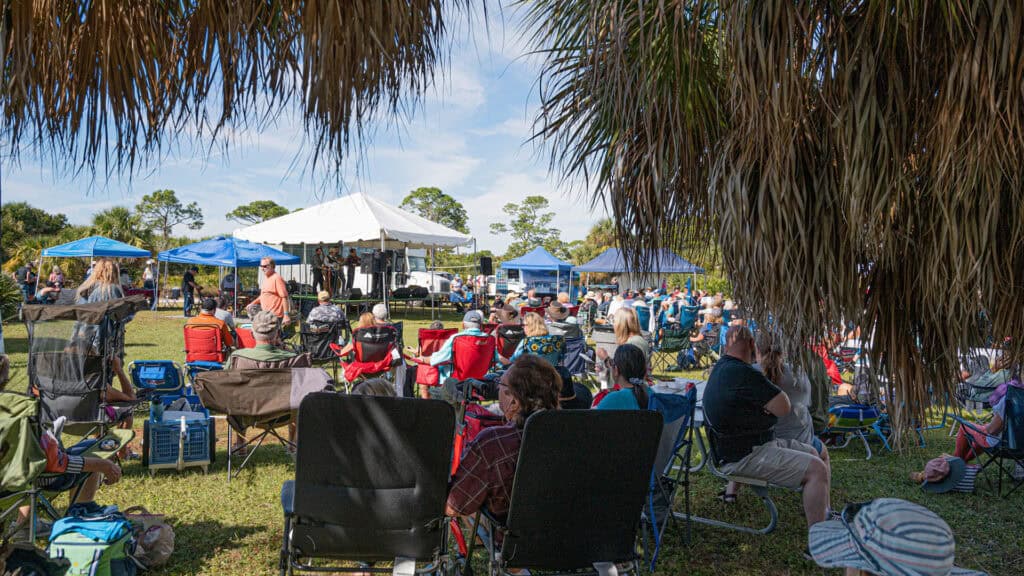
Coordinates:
365 321
627 331
103 284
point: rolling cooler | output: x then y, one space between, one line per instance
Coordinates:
178 439
157 379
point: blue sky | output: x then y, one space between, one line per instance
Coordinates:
469 138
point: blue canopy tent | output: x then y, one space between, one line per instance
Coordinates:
94 247
663 261
540 260
227 252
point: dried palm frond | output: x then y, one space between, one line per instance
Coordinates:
858 160
113 85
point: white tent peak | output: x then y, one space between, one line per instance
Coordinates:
355 219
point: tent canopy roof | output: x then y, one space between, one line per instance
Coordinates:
226 251
537 259
664 261
95 247
354 220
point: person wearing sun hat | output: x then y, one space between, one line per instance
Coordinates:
887 536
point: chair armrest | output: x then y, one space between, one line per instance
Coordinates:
288 497
970 424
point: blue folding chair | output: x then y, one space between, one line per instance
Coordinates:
156 379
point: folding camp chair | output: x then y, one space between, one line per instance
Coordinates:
245 339
71 352
604 338
371 481
507 337
155 379
671 468
643 316
1008 454
316 339
263 398
673 340
472 356
576 353
524 310
375 354
490 327
204 343
570 511
431 341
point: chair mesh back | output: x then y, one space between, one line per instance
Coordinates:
373 344
572 360
581 480
317 337
675 338
472 356
371 476
432 340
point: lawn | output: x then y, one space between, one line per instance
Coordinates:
235 529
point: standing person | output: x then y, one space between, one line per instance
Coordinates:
318 266
26 278
273 296
350 267
57 277
148 276
335 272
188 289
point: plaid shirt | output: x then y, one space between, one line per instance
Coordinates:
486 472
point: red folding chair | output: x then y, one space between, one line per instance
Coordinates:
489 327
204 343
472 356
372 353
524 310
246 339
430 341
573 310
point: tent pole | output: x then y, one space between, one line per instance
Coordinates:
383 271
39 271
430 290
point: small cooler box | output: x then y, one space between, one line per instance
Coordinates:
178 439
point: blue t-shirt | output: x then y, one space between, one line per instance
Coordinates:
623 399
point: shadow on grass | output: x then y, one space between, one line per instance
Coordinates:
196 543
15 345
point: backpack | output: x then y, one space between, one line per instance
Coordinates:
95 546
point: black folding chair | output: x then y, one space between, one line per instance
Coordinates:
371 481
1008 454
576 509
316 339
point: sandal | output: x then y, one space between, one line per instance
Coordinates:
726 497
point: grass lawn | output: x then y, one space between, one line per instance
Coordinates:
236 529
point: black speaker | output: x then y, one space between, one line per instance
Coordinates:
418 292
354 294
378 262
486 267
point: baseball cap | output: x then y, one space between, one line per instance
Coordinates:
473 317
265 323
380 311
887 536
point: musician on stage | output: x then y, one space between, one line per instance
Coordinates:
335 273
350 263
318 269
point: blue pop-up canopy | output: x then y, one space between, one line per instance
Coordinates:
664 261
537 259
95 247
227 252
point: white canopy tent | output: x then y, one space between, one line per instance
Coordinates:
354 220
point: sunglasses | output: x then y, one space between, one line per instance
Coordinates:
264 266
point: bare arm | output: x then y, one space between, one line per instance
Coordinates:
779 405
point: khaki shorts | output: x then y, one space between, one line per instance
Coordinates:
780 462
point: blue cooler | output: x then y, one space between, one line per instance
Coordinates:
178 439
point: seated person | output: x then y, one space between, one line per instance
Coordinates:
365 321
984 435
742 407
266 330
381 315
560 325
459 295
512 299
47 294
532 300
488 467
222 313
207 318
563 298
504 314
472 325
628 371
325 312
227 283
534 326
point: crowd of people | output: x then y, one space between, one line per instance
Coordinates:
758 404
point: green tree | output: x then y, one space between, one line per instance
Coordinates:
161 211
20 219
436 206
256 211
121 224
530 226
